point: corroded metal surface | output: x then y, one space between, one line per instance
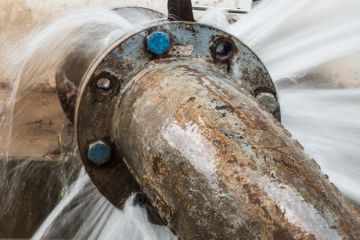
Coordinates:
125 59
218 167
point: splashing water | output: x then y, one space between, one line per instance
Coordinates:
102 220
43 53
289 36
293 36
38 57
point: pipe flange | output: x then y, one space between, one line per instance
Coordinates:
130 55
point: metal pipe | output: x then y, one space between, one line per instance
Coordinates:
189 115
216 166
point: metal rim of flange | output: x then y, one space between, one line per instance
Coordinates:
124 60
67 88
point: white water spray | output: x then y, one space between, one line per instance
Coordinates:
99 219
290 37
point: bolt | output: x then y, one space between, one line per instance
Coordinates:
99 152
103 83
158 43
268 101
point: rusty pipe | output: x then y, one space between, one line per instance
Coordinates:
216 166
187 126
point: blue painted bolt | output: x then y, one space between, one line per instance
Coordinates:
99 152
158 43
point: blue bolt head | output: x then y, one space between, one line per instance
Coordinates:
158 43
99 152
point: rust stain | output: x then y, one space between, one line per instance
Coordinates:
252 154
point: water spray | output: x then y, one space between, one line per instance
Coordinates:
188 115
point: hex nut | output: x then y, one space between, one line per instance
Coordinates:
268 101
99 152
158 43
